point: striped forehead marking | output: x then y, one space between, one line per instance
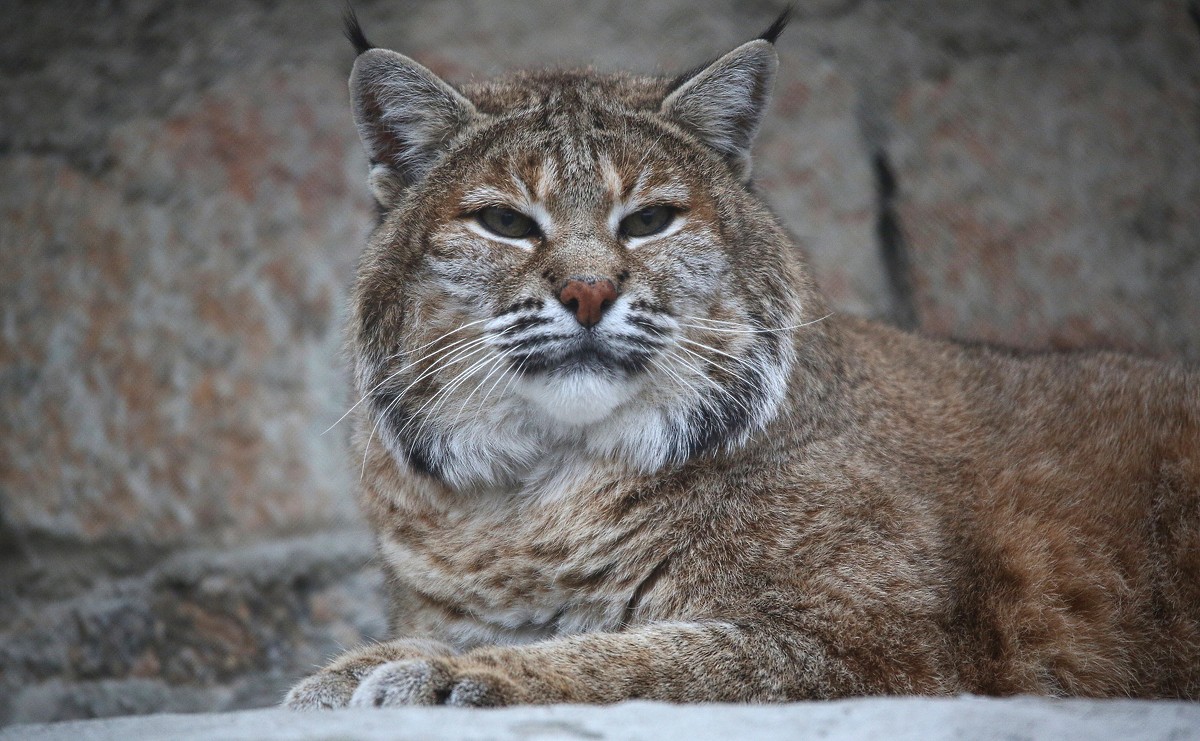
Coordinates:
545 179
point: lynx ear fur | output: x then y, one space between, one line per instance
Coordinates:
405 115
723 104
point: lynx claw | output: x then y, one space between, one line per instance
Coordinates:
432 682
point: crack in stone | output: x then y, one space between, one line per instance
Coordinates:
892 245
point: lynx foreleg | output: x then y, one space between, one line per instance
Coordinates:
677 662
333 686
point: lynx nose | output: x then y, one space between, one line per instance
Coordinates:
588 298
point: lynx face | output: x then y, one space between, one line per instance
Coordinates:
569 266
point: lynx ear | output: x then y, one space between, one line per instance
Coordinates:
723 104
405 115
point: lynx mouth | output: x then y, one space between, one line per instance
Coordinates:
587 355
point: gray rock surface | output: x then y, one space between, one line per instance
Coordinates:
203 629
959 719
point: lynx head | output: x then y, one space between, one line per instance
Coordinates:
569 264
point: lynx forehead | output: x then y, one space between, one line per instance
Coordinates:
557 268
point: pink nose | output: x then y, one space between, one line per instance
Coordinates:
588 298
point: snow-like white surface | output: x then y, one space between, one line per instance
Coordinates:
895 719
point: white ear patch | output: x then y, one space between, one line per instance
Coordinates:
384 185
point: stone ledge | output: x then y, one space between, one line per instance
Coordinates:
973 718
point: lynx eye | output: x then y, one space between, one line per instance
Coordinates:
505 222
647 221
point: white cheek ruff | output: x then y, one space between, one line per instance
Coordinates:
666 415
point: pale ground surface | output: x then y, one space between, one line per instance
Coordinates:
975 718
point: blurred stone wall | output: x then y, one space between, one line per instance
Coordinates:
182 201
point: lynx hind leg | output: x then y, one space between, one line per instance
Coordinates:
333 686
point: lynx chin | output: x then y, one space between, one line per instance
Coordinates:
614 444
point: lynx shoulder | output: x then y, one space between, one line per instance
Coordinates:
614 444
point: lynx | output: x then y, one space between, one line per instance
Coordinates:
615 445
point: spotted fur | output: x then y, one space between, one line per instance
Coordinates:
718 491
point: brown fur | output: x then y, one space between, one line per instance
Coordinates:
913 516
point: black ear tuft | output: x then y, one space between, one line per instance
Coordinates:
683 77
776 28
770 35
353 30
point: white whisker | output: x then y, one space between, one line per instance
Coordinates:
463 377
710 348
401 370
683 385
444 392
515 375
497 364
506 369
746 328
471 349
699 372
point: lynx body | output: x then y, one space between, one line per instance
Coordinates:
614 444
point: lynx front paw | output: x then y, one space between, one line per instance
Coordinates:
335 685
434 682
324 691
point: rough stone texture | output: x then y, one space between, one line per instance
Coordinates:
182 202
199 630
171 327
960 719
1050 194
